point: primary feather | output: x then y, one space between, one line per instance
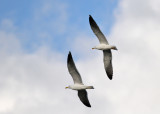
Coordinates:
97 31
73 70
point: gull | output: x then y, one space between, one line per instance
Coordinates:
104 45
78 84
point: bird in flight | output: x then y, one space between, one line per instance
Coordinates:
78 84
104 46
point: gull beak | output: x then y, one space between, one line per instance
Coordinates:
93 48
66 87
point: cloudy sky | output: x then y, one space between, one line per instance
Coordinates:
36 36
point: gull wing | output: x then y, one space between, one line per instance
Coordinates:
82 94
107 59
97 31
73 70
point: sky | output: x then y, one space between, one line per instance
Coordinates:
36 36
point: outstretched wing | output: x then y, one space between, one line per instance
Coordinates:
73 70
107 59
82 94
97 31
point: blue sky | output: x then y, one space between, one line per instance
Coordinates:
31 18
36 36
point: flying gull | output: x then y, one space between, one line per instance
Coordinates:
78 84
104 45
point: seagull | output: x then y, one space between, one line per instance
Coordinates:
104 45
78 84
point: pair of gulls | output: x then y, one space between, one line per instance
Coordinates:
107 59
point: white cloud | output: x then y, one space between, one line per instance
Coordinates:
7 25
34 82
136 35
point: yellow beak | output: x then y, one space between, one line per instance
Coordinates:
92 48
66 87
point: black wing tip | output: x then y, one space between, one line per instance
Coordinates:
69 56
90 18
110 77
109 74
88 105
92 22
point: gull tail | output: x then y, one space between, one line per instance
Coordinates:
90 87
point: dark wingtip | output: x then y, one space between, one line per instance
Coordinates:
90 18
69 56
110 77
92 22
88 105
